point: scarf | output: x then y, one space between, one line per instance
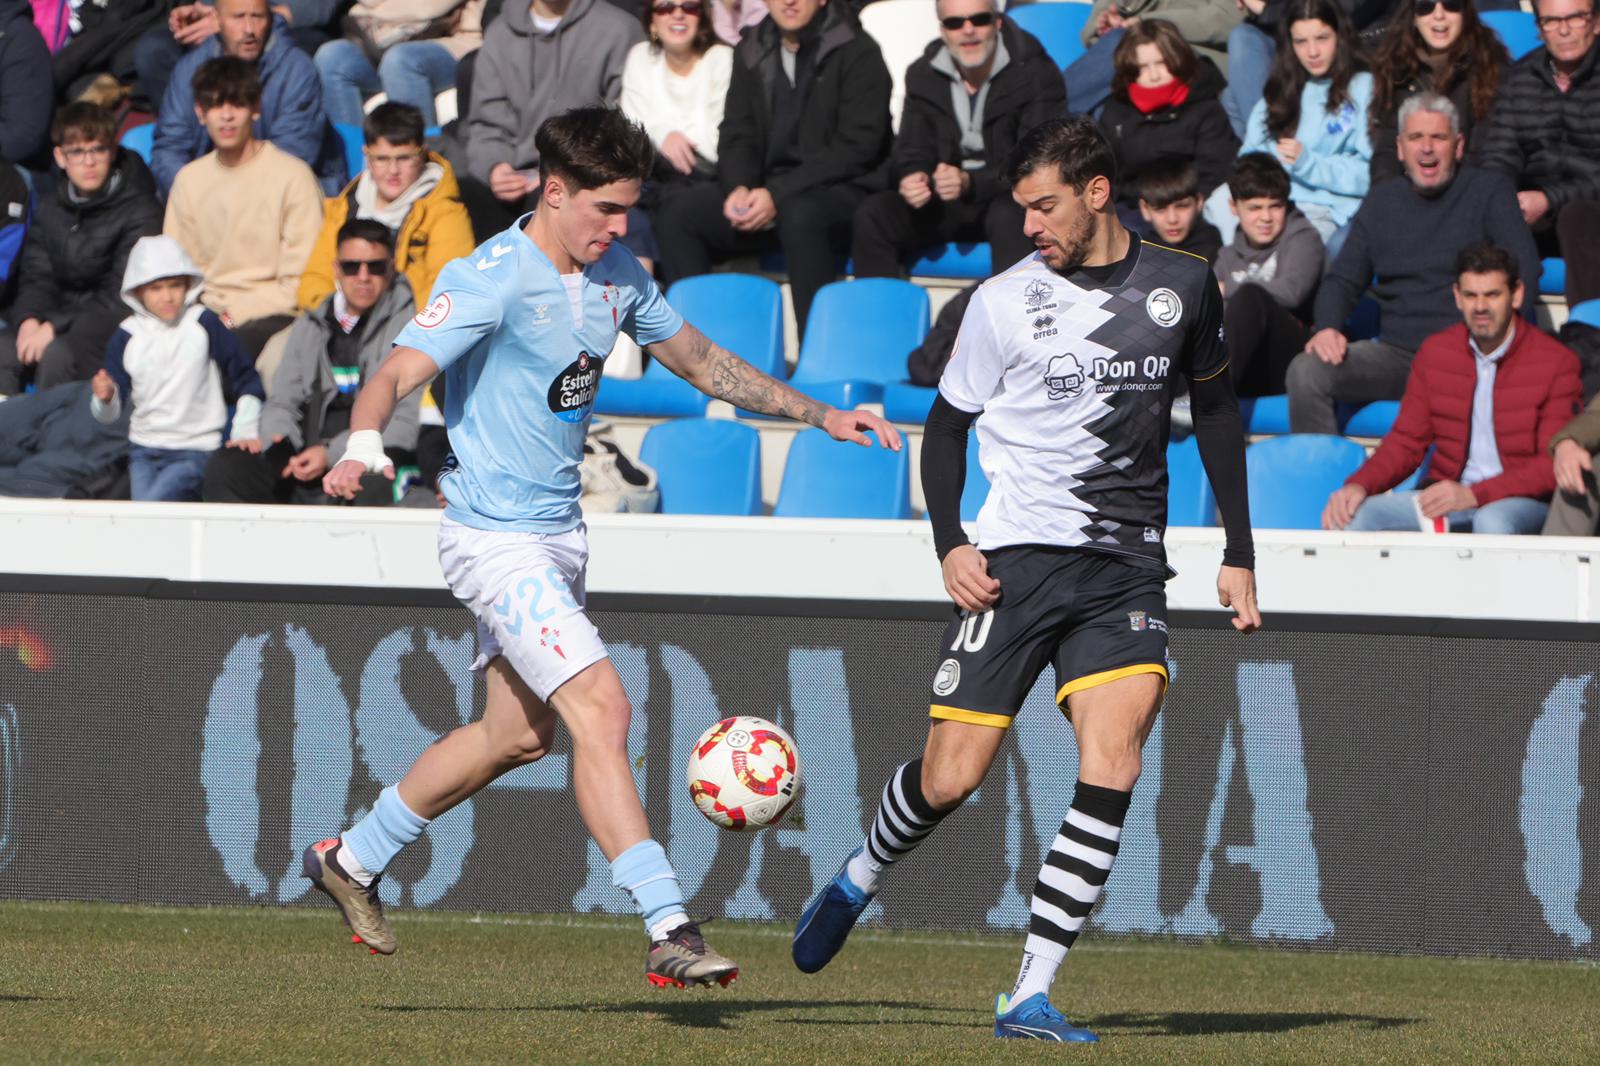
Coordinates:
1149 101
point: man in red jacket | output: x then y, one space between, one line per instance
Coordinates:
1488 397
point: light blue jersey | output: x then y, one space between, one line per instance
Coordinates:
522 371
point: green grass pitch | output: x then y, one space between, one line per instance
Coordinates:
100 983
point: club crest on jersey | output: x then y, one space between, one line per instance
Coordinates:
948 677
1137 621
572 392
1036 297
435 313
1064 377
1164 307
1044 326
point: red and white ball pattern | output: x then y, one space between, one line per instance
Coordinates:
744 773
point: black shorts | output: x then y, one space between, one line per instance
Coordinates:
1095 616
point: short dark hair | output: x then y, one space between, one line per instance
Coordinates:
588 147
1256 175
83 121
1074 146
226 80
366 229
395 123
1167 181
1487 258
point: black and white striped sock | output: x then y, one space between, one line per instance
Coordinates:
1069 882
904 819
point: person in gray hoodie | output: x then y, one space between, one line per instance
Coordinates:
331 351
537 61
1268 274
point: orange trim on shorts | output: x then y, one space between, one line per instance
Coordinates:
1107 676
956 714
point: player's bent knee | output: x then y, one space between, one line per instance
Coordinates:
946 788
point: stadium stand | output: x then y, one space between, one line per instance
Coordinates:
1190 501
705 466
823 480
1587 313
976 490
1517 30
1291 477
902 29
140 139
904 402
1057 25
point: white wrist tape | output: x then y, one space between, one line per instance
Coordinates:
365 446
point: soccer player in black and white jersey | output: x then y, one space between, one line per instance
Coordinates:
1071 358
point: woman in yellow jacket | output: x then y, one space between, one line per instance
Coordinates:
409 189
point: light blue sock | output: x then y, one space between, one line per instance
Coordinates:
647 875
379 836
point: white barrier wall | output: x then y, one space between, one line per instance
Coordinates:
1410 574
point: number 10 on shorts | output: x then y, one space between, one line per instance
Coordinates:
974 631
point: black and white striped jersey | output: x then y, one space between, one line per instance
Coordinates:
1074 376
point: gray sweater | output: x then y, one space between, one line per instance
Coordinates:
1288 268
524 77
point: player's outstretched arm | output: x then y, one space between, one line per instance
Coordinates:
404 372
719 373
1219 431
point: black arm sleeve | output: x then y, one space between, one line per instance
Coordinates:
944 471
1219 431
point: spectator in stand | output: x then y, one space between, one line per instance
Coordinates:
1575 507
976 89
1403 243
333 350
1269 275
247 212
1435 46
177 366
26 93
541 60
289 113
1169 209
158 52
1313 118
675 85
805 138
1205 24
407 188
1488 396
732 19
1164 106
86 220
406 49
1544 134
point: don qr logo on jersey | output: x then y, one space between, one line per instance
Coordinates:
435 313
1164 307
572 392
1064 377
948 677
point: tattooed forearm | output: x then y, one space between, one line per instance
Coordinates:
742 385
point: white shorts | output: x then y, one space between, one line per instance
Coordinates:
526 591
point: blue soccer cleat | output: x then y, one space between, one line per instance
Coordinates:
827 920
1035 1019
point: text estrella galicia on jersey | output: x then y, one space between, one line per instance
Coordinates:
572 392
1064 377
1164 307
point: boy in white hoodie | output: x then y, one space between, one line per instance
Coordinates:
179 367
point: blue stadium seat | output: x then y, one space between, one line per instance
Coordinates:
1587 313
825 478
1190 501
1264 415
1553 278
907 403
976 490
740 312
966 261
1291 477
141 139
705 466
1373 419
355 159
1517 30
1057 26
858 337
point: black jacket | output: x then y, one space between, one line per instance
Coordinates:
27 99
1196 129
74 254
1545 139
1386 127
844 125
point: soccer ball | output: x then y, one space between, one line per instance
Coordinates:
744 773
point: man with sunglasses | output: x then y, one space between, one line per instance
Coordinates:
332 350
1544 134
969 98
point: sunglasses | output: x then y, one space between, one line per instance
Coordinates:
980 20
376 267
692 8
1425 7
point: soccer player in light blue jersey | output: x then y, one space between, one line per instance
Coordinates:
521 328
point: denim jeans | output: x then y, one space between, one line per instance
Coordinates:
166 473
1089 76
409 73
1396 510
1250 55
